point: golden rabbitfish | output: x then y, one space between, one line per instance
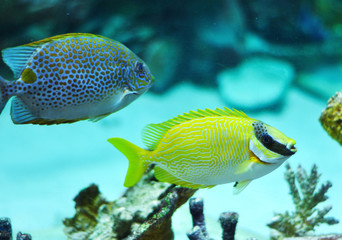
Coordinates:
71 77
207 147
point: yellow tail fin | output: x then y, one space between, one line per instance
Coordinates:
136 167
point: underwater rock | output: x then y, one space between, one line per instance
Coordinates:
303 56
6 231
257 83
286 22
322 81
143 212
331 117
199 231
229 221
306 197
23 236
227 29
163 58
319 237
88 202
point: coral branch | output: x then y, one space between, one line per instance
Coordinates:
196 234
5 229
291 179
196 210
228 222
199 231
306 217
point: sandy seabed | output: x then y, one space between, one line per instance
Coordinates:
42 168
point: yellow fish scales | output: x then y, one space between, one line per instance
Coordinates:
207 147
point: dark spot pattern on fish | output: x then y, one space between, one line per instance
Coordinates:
69 71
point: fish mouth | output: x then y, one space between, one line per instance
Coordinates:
291 148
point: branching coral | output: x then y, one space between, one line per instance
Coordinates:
306 197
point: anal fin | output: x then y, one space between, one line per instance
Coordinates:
20 113
164 176
98 118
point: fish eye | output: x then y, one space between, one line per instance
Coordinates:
267 140
139 67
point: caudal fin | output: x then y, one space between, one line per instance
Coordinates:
136 167
3 96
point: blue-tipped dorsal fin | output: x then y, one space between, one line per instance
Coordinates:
17 58
152 133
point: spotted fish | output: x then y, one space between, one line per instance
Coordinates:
207 147
71 77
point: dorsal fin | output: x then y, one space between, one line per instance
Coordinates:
18 57
152 133
64 36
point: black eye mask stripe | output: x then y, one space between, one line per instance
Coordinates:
280 148
266 140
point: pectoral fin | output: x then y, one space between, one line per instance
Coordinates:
247 165
239 186
244 167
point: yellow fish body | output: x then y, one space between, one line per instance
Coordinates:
207 147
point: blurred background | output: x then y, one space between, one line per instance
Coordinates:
280 61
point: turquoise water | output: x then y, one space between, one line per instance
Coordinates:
42 168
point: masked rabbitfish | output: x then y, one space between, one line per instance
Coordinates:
71 77
204 148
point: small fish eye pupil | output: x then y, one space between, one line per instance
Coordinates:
267 139
139 67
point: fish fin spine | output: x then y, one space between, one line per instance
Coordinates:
239 186
134 154
98 118
4 97
64 36
20 112
152 133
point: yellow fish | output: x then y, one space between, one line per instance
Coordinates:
204 148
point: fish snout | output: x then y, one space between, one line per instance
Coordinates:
290 146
